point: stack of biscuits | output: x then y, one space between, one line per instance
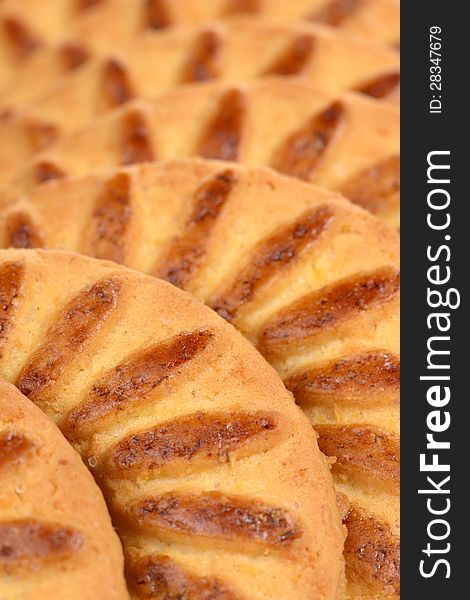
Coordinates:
199 300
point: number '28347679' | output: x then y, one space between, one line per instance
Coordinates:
435 69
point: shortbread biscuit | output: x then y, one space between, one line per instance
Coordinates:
235 50
29 27
307 277
343 142
101 22
212 474
56 537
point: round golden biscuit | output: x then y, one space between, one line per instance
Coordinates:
27 25
56 535
237 49
212 474
307 277
344 142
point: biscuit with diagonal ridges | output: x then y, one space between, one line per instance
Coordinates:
306 276
28 28
55 531
101 22
212 474
344 142
239 49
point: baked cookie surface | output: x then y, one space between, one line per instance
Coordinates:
211 473
344 142
310 279
101 22
237 49
55 531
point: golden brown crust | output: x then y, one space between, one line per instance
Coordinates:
238 49
186 254
202 61
69 334
74 55
373 554
13 448
336 12
322 313
73 75
337 141
126 364
55 532
198 440
260 263
21 232
281 250
301 154
132 382
362 449
382 86
156 14
242 6
136 144
11 278
20 40
377 188
367 379
215 517
116 88
157 576
222 136
26 544
46 171
86 4
109 224
100 21
40 134
295 57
